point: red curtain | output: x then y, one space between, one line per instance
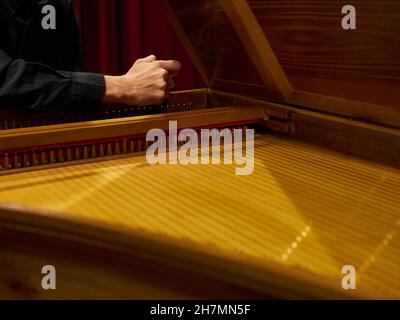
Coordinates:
117 32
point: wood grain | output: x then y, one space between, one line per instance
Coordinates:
257 47
324 61
94 130
349 136
216 49
355 110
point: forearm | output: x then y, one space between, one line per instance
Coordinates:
37 86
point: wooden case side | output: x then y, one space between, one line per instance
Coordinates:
135 251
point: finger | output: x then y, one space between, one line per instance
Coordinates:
167 95
171 83
173 75
171 66
166 75
149 59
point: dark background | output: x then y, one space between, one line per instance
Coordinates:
117 32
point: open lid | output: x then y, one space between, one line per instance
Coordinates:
297 52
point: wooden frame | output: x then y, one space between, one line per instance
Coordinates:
136 126
353 137
357 138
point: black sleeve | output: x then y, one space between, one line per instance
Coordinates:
37 86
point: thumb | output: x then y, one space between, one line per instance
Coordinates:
171 66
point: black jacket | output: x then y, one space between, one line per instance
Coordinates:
40 69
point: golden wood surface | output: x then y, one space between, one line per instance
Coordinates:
304 209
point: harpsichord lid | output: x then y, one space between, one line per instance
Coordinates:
297 52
